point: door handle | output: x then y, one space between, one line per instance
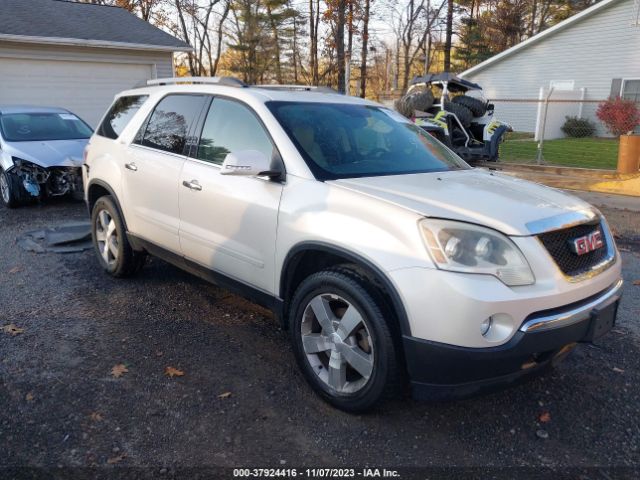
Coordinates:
192 185
131 166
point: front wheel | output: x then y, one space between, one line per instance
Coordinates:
342 342
10 190
110 240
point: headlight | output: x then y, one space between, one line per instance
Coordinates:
468 248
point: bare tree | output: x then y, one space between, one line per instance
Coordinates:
144 8
314 24
274 24
197 26
220 33
295 54
339 41
365 48
414 23
448 36
186 36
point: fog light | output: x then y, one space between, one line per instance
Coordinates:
485 326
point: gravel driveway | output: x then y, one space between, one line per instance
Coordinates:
241 400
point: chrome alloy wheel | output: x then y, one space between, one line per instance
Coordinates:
107 237
337 343
4 188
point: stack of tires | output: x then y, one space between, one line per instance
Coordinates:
466 108
421 99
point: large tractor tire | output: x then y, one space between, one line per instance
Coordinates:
477 106
463 113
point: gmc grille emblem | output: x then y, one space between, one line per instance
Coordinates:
586 244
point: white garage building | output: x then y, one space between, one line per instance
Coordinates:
77 55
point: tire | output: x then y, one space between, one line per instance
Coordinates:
402 108
363 335
107 228
11 190
478 107
463 113
419 98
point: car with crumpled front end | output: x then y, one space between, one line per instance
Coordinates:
41 151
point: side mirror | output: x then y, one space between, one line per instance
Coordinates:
247 163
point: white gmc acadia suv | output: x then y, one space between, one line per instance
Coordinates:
381 251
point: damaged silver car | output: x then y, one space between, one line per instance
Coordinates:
41 153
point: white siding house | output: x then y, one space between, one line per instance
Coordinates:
592 56
77 55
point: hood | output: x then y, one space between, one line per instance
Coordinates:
507 204
50 153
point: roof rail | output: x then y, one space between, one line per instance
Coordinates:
306 88
228 81
233 82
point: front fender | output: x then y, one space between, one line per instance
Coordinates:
383 233
374 233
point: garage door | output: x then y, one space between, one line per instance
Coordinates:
85 88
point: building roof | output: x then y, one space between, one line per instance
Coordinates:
542 35
65 22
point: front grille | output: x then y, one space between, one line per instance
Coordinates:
557 244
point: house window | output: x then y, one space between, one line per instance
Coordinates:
562 84
631 90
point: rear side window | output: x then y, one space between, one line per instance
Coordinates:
169 125
119 115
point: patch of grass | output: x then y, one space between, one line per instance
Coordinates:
519 135
568 152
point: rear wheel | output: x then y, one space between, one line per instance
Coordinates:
10 190
342 342
110 240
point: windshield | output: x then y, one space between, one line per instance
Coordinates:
346 141
30 127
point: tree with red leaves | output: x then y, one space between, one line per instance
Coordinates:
619 116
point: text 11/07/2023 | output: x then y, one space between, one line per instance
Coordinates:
315 473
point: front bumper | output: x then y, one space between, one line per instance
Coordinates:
442 371
54 181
